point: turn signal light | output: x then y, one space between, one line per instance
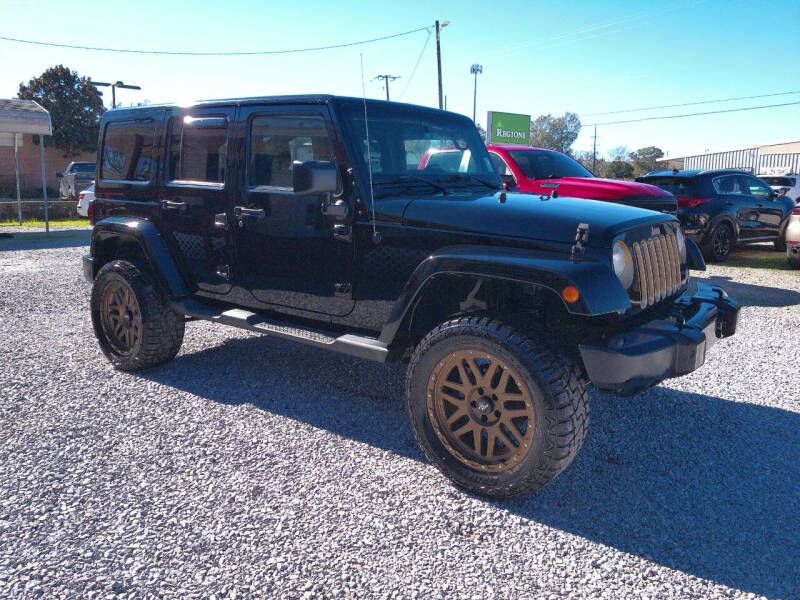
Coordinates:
688 202
570 294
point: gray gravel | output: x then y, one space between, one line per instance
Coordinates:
251 468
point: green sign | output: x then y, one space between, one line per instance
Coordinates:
508 128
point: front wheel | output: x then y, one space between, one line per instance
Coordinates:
780 243
132 320
497 410
794 260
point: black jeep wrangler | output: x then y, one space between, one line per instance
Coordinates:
317 219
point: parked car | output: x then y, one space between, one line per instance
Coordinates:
85 199
793 239
282 216
722 208
785 185
76 178
540 171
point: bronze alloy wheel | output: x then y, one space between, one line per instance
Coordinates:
480 410
121 317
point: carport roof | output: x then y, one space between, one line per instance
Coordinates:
24 116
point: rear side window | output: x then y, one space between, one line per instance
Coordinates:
277 141
729 184
680 187
128 151
198 149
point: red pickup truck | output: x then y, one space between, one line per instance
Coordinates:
540 171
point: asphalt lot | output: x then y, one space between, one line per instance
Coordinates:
252 467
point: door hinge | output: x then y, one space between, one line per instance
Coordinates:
343 232
342 289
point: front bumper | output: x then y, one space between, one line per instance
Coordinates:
633 360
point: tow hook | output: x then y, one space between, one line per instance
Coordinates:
581 238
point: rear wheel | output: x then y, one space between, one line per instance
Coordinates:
498 411
132 320
719 244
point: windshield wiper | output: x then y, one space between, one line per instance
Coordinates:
460 178
408 178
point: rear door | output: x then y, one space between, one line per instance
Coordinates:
195 194
732 190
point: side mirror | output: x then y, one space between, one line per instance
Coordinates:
773 194
508 182
59 175
314 177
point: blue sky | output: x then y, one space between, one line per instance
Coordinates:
538 57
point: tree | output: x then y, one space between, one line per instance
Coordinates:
619 153
644 159
481 131
556 133
619 169
75 106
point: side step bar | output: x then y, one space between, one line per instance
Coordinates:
354 345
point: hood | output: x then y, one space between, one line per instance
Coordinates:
606 189
526 216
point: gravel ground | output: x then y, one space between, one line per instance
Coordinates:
253 468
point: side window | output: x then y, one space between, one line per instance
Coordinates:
499 164
277 141
198 149
128 152
728 184
757 188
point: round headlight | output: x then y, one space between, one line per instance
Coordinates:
623 263
681 244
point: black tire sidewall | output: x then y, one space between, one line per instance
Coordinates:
712 253
502 484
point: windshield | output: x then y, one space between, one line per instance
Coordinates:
543 164
83 167
779 181
418 150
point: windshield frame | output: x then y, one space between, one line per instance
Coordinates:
343 109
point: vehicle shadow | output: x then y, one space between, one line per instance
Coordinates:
697 483
748 294
39 240
760 256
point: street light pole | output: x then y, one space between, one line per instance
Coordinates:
114 86
475 69
439 57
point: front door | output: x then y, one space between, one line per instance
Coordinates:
195 194
770 212
732 190
291 255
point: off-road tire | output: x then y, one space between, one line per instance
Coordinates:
714 249
558 390
162 328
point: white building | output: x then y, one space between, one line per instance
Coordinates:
780 158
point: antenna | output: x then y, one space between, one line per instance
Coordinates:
376 237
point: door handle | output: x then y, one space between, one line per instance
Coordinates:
173 205
242 212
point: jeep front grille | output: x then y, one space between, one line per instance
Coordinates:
658 268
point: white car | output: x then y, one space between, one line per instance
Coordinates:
785 185
85 198
793 239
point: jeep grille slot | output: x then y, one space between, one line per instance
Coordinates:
658 268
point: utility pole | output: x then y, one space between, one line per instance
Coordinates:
386 79
594 150
114 86
439 57
475 69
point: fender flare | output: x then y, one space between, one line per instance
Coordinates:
149 238
600 290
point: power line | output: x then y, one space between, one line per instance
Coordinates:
414 70
171 53
712 112
627 110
